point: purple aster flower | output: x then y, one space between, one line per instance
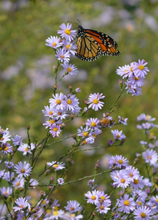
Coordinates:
70 69
137 183
17 140
9 165
18 183
93 122
140 68
137 81
94 101
5 191
132 173
6 148
5 136
72 216
8 176
21 203
23 169
73 206
122 120
118 135
139 195
142 213
55 204
62 55
56 165
33 183
144 117
58 101
117 161
60 181
126 204
92 197
150 157
133 89
70 47
54 42
71 102
49 111
120 179
55 130
103 208
83 132
67 32
91 183
143 142
60 114
26 149
124 71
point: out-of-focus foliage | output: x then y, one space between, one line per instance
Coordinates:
26 78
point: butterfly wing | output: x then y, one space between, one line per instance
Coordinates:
91 44
107 44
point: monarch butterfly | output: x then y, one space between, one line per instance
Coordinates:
91 44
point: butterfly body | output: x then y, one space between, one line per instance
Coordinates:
91 44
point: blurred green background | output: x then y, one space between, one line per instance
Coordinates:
26 78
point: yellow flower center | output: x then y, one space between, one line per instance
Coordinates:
122 180
6 193
69 101
54 44
55 213
50 113
105 121
26 149
120 161
17 184
139 203
69 69
136 181
44 202
84 142
131 69
58 101
68 46
51 121
55 208
22 170
117 136
21 206
149 157
6 148
141 67
93 124
62 56
143 215
55 129
131 174
126 202
68 31
93 197
72 208
148 117
157 200
102 197
85 134
136 78
95 101
72 215
55 165
101 207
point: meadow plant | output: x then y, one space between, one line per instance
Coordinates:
137 193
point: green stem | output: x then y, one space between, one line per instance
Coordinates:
114 104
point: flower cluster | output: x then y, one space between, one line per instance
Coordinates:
64 47
135 73
100 200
